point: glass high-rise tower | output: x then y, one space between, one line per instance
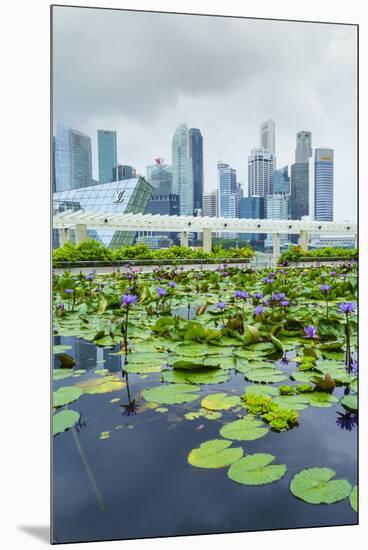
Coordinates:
323 184
107 155
261 166
73 159
182 170
160 176
267 136
299 199
196 154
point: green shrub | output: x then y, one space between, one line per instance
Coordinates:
295 253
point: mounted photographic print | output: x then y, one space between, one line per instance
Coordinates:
204 233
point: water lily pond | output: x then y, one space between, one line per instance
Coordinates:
191 402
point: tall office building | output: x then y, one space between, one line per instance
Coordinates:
277 207
267 136
252 208
182 170
53 173
107 154
210 204
160 176
303 151
165 205
300 173
228 191
73 159
323 184
281 181
261 166
196 154
123 172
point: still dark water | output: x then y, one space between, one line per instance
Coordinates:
138 482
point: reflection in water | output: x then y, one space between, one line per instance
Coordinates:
347 420
131 408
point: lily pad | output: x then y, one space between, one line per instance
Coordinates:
105 384
60 348
354 498
245 429
220 401
314 486
256 389
354 385
266 375
256 469
196 350
172 394
350 402
214 454
223 362
320 399
142 368
295 402
199 376
65 395
60 374
64 420
146 358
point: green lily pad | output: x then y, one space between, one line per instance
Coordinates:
245 429
172 394
199 376
306 376
295 402
220 401
314 486
320 399
256 389
214 454
64 420
60 374
354 384
196 350
350 402
354 498
65 395
256 469
105 384
149 358
60 348
221 361
142 368
266 375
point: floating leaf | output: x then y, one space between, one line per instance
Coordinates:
65 395
320 399
214 454
172 394
106 384
64 420
256 389
196 350
256 470
350 402
220 401
354 498
60 348
146 358
60 374
161 409
245 429
199 376
354 385
267 375
295 402
141 368
314 486
104 435
223 362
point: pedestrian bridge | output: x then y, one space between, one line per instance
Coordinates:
80 221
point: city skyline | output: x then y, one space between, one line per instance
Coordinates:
283 77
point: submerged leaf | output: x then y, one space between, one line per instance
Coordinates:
214 454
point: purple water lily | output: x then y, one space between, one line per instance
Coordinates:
161 291
284 303
310 331
258 295
347 421
68 291
354 367
347 307
325 288
128 299
258 310
172 284
221 305
90 277
267 280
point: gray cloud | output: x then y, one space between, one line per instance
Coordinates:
144 73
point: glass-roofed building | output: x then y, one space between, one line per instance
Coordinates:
125 197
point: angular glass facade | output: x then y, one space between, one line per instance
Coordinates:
73 159
127 196
123 172
160 176
281 180
252 208
323 184
107 155
196 154
299 199
182 170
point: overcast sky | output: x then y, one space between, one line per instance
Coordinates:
143 74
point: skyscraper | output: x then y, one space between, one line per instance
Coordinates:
281 180
107 154
160 176
252 208
277 207
210 204
123 172
267 136
228 191
196 154
299 199
73 159
261 165
182 170
323 184
303 150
